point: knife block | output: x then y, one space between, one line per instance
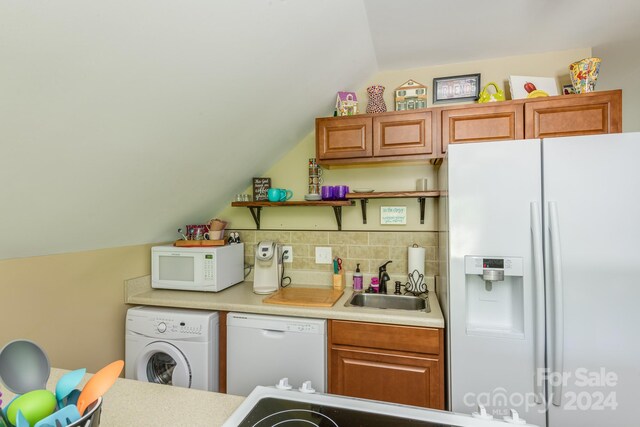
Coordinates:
339 281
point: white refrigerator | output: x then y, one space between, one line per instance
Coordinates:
542 300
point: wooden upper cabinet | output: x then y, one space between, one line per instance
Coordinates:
422 135
490 122
403 135
586 114
343 138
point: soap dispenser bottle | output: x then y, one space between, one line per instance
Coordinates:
357 279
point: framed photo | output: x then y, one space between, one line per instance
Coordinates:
456 88
532 87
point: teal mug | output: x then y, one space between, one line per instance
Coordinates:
279 194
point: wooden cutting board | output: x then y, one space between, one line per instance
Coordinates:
308 297
198 243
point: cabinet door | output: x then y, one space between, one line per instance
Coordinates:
343 138
479 124
569 115
403 134
389 377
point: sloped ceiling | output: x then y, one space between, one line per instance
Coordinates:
121 121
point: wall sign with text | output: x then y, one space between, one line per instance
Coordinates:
393 215
261 188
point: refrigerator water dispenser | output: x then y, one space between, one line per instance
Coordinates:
495 296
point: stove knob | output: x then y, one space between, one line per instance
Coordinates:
283 384
482 413
514 418
307 388
162 327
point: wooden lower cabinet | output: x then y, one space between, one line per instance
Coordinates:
399 364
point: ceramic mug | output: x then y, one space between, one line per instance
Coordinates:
279 194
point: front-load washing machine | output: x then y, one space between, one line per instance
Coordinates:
172 346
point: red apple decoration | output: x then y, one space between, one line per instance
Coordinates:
529 87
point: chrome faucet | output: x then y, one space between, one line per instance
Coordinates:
383 277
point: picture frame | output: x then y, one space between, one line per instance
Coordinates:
261 188
523 87
456 88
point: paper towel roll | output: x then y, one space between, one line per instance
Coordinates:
416 259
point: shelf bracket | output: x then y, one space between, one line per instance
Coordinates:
337 210
255 213
421 201
363 207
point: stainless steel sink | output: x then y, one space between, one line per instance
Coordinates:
394 302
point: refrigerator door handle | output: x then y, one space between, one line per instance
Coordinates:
538 297
558 318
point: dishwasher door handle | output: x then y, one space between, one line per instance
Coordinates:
273 333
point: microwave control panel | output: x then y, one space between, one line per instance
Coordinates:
209 266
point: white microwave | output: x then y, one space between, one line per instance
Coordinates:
207 269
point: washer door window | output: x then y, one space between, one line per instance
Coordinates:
163 363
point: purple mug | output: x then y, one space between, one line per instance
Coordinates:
340 192
326 192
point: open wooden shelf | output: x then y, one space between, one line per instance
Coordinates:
420 195
256 207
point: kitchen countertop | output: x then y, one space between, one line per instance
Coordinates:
240 298
140 404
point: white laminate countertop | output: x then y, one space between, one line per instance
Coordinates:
240 298
142 404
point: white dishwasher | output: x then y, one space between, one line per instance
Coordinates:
263 349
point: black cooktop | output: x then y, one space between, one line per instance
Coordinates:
270 411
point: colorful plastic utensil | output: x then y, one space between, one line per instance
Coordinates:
65 416
99 384
24 366
67 383
72 398
21 421
33 406
2 414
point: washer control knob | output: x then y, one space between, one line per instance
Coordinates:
162 327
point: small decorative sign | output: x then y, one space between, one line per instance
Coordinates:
393 215
261 188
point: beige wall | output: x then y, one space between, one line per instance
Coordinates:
71 304
619 69
291 171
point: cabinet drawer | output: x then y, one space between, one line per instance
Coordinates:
388 337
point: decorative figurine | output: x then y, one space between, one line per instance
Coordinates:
346 104
411 95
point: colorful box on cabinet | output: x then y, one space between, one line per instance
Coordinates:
346 104
411 95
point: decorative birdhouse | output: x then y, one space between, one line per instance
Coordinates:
411 95
346 104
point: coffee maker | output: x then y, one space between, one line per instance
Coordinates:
267 272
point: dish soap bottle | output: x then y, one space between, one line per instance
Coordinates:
357 279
